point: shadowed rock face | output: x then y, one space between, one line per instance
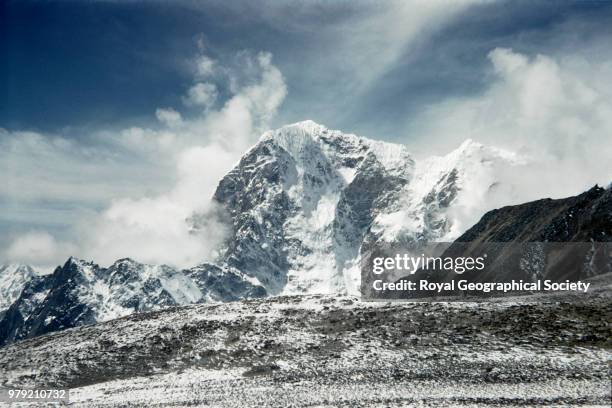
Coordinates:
583 218
569 238
558 240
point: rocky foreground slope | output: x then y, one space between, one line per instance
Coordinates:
329 351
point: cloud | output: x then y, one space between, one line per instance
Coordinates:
350 44
169 117
39 249
376 37
152 179
201 94
555 111
205 67
55 168
157 229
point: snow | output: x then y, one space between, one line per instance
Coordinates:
13 278
330 266
181 288
328 351
395 158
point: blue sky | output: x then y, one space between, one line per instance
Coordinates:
104 103
98 64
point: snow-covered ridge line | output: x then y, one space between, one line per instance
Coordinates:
82 292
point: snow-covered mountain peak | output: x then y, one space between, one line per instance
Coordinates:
78 263
307 126
125 261
297 137
13 278
300 201
305 198
306 139
471 150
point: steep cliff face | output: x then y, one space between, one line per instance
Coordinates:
306 200
13 278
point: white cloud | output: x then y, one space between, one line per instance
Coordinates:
249 112
205 67
39 249
147 140
148 226
350 45
155 229
201 94
54 168
375 38
557 112
169 117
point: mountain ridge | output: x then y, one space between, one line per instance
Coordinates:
305 195
82 292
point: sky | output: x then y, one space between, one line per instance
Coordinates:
109 109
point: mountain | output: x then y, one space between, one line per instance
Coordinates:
303 203
558 240
586 217
13 278
305 199
80 293
568 238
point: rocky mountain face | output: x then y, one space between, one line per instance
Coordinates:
13 278
584 218
305 199
561 239
569 238
82 292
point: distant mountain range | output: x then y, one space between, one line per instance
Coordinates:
82 292
302 203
